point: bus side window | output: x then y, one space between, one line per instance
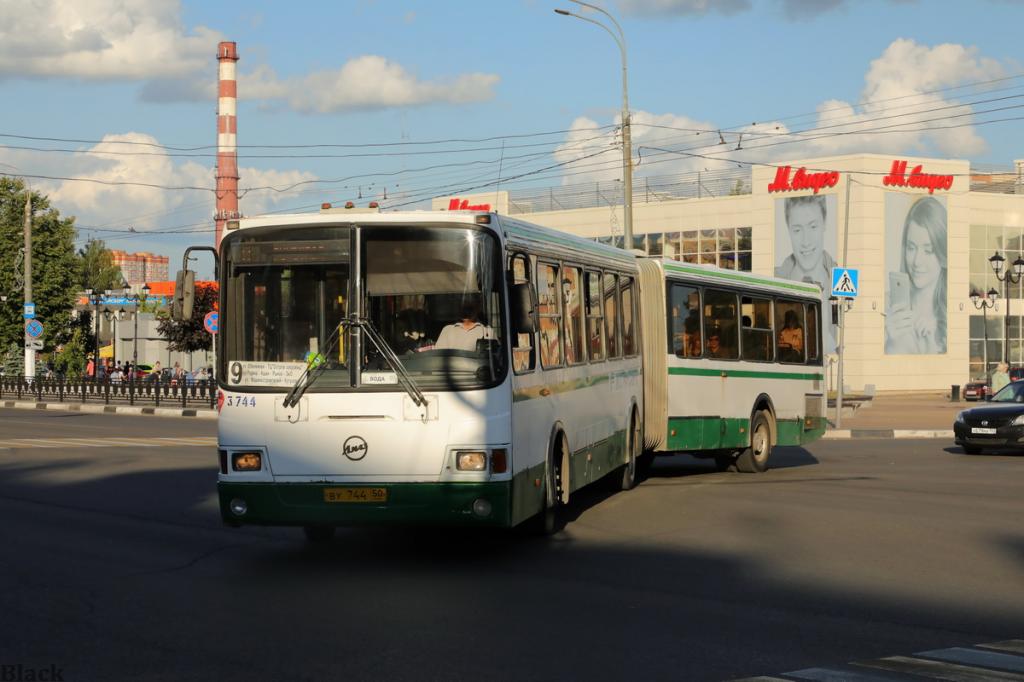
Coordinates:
813 356
791 342
721 321
756 335
572 302
611 314
524 356
629 346
684 323
595 316
549 311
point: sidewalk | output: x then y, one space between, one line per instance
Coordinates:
99 408
899 415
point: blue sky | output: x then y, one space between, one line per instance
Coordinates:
407 73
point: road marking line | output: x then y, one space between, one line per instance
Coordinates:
989 659
939 669
1012 645
99 442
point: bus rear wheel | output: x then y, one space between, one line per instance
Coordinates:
754 459
627 481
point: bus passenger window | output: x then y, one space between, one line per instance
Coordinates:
611 314
684 324
524 357
721 321
791 333
812 333
550 314
628 318
572 302
756 334
595 316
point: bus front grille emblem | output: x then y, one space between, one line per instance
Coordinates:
354 448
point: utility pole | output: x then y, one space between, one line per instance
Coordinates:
30 354
842 311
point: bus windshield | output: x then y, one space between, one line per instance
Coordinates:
433 293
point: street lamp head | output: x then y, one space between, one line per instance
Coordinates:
975 297
997 262
125 290
145 290
1018 267
993 294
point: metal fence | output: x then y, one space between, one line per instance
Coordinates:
146 392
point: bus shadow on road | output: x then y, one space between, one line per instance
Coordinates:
684 465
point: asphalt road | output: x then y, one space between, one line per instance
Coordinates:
114 566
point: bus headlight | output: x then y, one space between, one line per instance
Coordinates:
471 460
246 461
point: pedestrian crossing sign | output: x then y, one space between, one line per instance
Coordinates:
844 282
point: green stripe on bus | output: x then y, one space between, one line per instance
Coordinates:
746 279
732 433
742 373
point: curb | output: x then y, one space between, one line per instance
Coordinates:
198 413
850 434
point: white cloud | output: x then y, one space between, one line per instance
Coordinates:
102 39
366 82
907 91
683 7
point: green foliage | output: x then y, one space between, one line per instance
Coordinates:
189 336
98 270
55 268
70 358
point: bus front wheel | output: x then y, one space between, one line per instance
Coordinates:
754 459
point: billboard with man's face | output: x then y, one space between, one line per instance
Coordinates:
805 247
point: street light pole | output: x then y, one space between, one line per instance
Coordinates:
1007 278
983 303
627 142
135 333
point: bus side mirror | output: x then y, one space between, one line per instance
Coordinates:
524 307
184 295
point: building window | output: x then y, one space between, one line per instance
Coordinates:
727 247
986 240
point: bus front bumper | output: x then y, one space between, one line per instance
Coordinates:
303 504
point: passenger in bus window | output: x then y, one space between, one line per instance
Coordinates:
791 339
714 347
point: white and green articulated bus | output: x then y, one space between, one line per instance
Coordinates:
421 367
732 363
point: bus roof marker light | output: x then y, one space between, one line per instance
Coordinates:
484 219
325 206
349 204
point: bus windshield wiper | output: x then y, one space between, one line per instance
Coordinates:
314 369
389 355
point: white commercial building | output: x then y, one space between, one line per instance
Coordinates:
920 232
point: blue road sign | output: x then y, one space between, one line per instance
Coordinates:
211 321
30 311
844 282
34 328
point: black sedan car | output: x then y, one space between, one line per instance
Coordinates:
999 423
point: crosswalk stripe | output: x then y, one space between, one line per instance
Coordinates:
989 659
1015 646
939 670
832 675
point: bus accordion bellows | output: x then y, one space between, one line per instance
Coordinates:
463 367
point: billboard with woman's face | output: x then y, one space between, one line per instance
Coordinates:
915 263
805 241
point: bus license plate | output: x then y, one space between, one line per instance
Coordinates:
978 429
372 495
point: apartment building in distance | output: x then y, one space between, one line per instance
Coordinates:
139 268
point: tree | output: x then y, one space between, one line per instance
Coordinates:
55 269
98 270
188 336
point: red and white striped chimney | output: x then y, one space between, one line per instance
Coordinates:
227 129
